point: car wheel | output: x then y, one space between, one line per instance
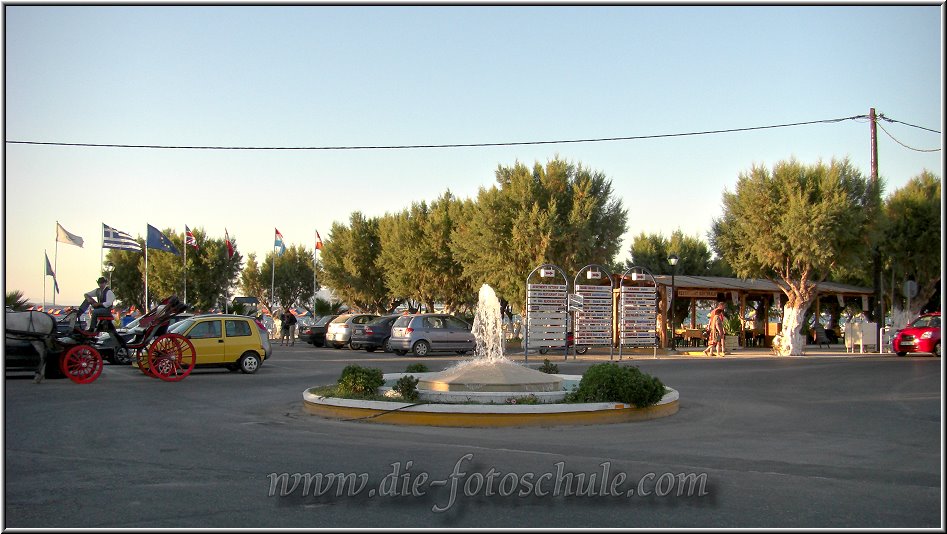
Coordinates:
354 346
937 350
386 345
249 363
543 350
902 354
421 348
400 352
581 350
121 356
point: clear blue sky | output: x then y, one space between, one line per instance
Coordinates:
400 75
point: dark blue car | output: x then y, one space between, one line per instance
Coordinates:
374 334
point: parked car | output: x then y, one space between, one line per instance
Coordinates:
231 341
428 332
339 332
922 335
374 334
315 333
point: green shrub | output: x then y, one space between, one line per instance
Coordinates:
360 381
609 382
549 367
407 387
416 368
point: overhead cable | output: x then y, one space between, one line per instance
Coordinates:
906 146
457 145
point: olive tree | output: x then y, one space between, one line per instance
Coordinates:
911 242
795 225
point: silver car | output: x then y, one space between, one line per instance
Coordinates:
427 332
339 332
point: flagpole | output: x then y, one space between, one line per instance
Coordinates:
146 274
185 264
55 260
45 261
102 252
314 251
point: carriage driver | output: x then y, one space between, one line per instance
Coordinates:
101 299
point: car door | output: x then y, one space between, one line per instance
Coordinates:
459 333
435 331
207 337
239 339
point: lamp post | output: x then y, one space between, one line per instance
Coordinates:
109 267
672 259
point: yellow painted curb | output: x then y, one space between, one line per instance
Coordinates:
503 416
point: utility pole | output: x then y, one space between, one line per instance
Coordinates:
876 255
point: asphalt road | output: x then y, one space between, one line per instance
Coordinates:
758 442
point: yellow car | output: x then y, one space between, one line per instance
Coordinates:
231 341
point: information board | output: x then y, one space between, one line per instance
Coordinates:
593 323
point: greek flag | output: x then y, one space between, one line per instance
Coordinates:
112 238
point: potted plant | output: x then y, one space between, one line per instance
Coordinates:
732 328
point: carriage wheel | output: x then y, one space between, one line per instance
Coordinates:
171 357
141 357
82 364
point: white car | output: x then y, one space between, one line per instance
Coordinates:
339 332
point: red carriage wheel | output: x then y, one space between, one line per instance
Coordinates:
171 357
82 364
141 357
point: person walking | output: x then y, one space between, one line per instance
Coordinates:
715 342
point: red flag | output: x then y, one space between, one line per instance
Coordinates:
318 241
189 238
229 246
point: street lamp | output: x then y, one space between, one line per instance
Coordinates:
109 267
672 259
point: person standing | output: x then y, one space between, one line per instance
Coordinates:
284 327
291 321
716 332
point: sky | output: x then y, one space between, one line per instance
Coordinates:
384 75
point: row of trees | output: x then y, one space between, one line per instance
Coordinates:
443 252
796 224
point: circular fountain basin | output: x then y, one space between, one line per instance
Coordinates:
492 408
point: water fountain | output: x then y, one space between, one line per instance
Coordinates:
484 391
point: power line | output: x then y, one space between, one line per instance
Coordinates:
906 146
456 145
882 116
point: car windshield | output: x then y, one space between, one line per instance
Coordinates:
324 320
181 326
403 321
927 321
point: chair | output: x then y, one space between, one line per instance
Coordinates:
821 338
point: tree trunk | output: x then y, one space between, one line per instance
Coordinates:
792 342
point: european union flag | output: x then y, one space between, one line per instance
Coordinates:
159 241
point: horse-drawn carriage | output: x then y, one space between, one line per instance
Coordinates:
159 354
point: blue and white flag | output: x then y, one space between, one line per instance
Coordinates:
279 243
159 241
112 238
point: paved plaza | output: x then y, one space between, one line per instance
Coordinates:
825 440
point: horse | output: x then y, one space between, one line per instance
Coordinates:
37 329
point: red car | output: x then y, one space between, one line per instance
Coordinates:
922 335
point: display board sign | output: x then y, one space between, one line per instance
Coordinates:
593 323
638 316
547 316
